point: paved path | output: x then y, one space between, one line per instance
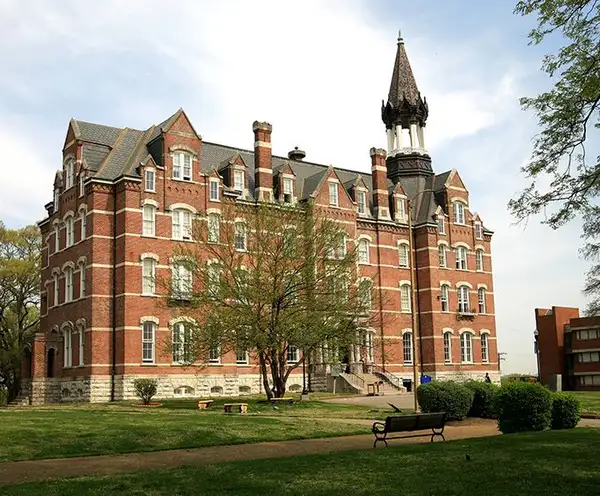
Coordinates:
404 401
40 470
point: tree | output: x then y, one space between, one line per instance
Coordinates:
276 281
566 179
20 256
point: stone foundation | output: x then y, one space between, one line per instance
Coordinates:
465 376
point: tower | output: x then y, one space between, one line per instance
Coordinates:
405 115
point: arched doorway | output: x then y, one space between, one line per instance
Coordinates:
50 363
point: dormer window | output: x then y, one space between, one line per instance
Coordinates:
401 210
150 180
69 174
288 190
334 199
182 166
81 184
361 200
56 199
459 213
478 230
238 180
441 223
214 190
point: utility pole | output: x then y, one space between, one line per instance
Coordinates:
413 305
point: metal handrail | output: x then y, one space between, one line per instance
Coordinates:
361 381
394 380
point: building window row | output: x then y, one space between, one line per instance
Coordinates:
69 222
461 257
466 347
587 334
69 348
588 380
68 288
588 357
464 299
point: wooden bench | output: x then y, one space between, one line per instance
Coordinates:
204 404
410 423
241 407
373 388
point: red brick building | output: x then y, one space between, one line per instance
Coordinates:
125 197
568 345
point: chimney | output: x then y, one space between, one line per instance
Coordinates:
379 175
296 154
263 167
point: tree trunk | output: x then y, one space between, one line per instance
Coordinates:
265 379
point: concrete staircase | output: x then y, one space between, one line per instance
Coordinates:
19 401
361 380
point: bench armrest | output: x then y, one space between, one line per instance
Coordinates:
378 427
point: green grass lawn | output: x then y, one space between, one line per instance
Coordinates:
546 464
590 401
81 430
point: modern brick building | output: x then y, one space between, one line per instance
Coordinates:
568 345
125 198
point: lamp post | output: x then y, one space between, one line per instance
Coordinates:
413 304
536 335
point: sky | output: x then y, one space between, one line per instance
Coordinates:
317 70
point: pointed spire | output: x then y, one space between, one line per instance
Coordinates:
403 84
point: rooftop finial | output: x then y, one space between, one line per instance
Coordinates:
400 40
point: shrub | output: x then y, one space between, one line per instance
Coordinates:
523 406
450 397
484 396
145 389
565 411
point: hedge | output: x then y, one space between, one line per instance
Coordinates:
566 411
483 399
523 406
445 396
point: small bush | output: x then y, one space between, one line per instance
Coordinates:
523 406
566 410
484 396
145 389
450 397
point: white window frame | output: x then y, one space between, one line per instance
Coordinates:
183 166
479 260
81 345
83 224
464 303
481 300
56 199
180 339
242 353
485 348
149 220
443 259
69 231
369 346
405 298
407 348
148 276
466 347
401 210
361 200
68 284
56 290
334 195
182 281
441 224
404 256
288 187
459 209
213 187
213 279
241 237
56 239
81 184
67 348
148 341
461 258
293 354
181 224
478 230
447 347
150 180
239 180
82 285
213 226
445 298
363 251
69 174
214 355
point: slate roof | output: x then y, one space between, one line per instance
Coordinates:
111 152
403 83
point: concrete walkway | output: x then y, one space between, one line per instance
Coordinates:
41 470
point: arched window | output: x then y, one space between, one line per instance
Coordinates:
459 213
481 300
485 350
83 224
214 228
448 347
466 347
405 298
81 344
461 258
149 220
403 256
56 237
70 231
444 298
56 287
182 166
181 342
82 279
182 224
68 284
148 276
81 184
479 259
363 251
463 300
407 348
442 255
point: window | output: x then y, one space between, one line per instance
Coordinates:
364 294
213 228
56 199
213 283
82 285
289 243
81 184
214 190
238 180
481 300
292 354
444 298
588 334
70 231
485 350
363 251
240 236
479 259
403 256
69 174
241 356
405 303
83 224
466 348
288 190
459 213
81 345
149 220
448 347
442 255
333 194
181 342
588 380
68 341
68 284
463 300
182 281
478 230
56 238
361 199
588 357
182 224
441 224
401 210
461 258
56 289
150 180
214 354
148 339
182 166
407 348
148 276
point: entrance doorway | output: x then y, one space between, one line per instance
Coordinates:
50 363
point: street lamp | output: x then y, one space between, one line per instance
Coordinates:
536 335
